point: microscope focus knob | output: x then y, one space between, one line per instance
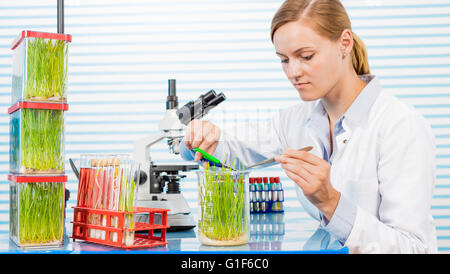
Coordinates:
142 177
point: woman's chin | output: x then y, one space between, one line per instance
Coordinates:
306 96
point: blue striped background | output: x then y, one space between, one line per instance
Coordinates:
123 52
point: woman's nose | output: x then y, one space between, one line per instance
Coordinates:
295 69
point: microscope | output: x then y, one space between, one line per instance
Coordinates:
159 185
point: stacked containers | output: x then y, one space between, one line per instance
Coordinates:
37 130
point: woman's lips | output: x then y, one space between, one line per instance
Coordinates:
301 85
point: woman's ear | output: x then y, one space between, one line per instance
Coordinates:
346 42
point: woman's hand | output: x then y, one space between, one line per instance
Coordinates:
312 175
202 134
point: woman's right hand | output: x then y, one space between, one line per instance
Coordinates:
202 134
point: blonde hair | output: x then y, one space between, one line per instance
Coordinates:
329 18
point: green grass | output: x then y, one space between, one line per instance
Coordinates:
42 141
222 204
39 214
127 195
46 69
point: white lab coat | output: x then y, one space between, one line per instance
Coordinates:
386 167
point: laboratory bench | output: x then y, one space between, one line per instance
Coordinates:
292 231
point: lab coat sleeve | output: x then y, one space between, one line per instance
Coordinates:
341 223
406 179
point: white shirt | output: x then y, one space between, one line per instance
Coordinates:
383 164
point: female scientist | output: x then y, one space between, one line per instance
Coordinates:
370 178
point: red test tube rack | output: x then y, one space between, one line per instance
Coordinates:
115 232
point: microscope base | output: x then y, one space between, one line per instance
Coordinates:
177 222
178 218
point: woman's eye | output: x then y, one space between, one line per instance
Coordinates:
308 57
284 61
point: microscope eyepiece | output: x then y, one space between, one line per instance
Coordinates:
210 95
200 107
217 100
172 99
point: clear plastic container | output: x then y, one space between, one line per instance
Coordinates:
224 217
36 138
109 182
40 67
36 210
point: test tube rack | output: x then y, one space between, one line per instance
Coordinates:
114 228
266 195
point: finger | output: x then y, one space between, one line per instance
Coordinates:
304 156
206 147
203 145
198 156
297 179
299 171
198 138
312 169
189 135
291 160
212 148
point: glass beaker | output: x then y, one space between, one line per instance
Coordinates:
224 218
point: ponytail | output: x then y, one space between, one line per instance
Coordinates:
359 56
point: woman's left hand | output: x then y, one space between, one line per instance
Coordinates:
312 175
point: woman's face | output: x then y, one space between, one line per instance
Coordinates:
312 63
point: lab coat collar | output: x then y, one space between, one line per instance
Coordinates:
357 113
359 110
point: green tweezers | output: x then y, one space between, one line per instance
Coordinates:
211 158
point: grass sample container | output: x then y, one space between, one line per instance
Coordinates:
37 138
224 207
40 67
36 210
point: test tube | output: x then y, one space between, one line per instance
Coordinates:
277 180
95 195
263 206
251 184
252 189
274 193
259 184
267 192
259 189
257 206
280 195
271 187
265 184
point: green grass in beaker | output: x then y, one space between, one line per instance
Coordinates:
222 204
